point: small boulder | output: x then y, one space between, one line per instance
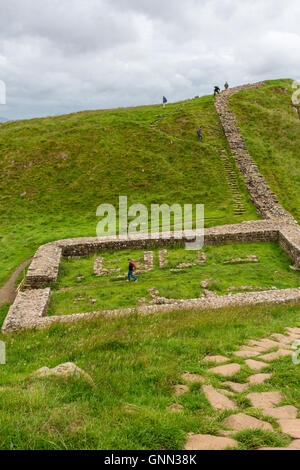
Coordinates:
69 369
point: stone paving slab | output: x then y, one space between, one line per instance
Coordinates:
291 427
265 400
241 422
264 343
282 339
258 379
256 365
283 412
246 353
294 445
180 390
217 400
276 355
293 330
256 349
192 378
227 393
226 371
236 387
216 359
208 442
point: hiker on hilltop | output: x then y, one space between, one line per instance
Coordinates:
164 102
217 90
199 133
131 268
226 86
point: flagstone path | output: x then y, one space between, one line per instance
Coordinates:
267 403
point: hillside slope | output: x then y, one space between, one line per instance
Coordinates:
54 172
271 128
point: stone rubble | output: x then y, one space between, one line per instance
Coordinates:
100 271
248 259
148 263
162 259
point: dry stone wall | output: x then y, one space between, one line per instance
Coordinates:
44 267
207 302
27 310
261 195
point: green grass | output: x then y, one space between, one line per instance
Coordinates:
271 129
68 165
134 362
112 293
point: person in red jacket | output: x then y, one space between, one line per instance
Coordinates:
131 268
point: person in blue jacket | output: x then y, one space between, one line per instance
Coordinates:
199 133
164 102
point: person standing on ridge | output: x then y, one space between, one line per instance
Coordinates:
216 90
226 86
131 268
164 102
199 133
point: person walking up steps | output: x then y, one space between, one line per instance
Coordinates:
216 90
226 86
164 102
131 268
199 133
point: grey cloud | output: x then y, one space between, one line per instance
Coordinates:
68 55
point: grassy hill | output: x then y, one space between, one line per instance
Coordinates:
54 172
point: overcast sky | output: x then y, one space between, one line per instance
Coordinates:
60 56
